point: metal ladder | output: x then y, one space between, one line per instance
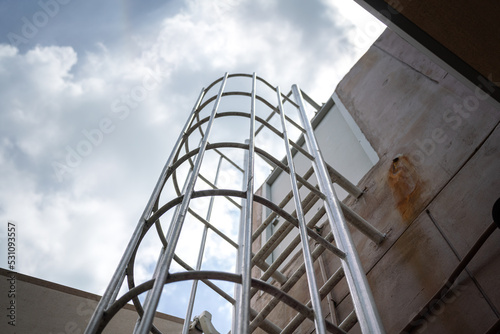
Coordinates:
246 318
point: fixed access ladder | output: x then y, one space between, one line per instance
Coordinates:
216 170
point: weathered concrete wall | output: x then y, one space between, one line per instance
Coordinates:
45 307
438 173
460 35
468 28
432 192
445 180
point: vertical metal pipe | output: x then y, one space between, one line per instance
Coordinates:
119 274
239 257
362 297
178 220
163 249
329 299
194 286
306 251
117 290
148 296
243 300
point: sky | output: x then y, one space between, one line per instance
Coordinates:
115 81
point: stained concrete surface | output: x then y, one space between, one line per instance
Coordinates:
438 144
46 307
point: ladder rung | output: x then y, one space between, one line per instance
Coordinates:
349 321
323 292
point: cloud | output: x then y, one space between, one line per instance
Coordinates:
85 131
66 226
282 42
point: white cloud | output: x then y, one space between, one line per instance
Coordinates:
61 236
64 227
111 120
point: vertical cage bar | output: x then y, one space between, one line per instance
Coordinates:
177 221
194 286
245 319
162 252
306 251
239 256
119 274
362 297
245 250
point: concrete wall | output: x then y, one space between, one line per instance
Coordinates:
432 193
437 198
467 28
460 35
49 308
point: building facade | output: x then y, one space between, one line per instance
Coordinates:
46 307
430 189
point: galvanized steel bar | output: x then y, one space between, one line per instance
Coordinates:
229 160
306 252
194 286
290 283
364 304
214 187
217 275
287 227
266 325
343 182
258 231
245 285
177 221
310 101
243 301
213 228
362 225
323 292
164 240
119 274
289 248
262 265
239 258
349 321
329 300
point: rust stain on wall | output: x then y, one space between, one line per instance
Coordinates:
406 187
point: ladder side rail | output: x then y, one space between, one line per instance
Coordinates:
362 297
306 251
242 318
